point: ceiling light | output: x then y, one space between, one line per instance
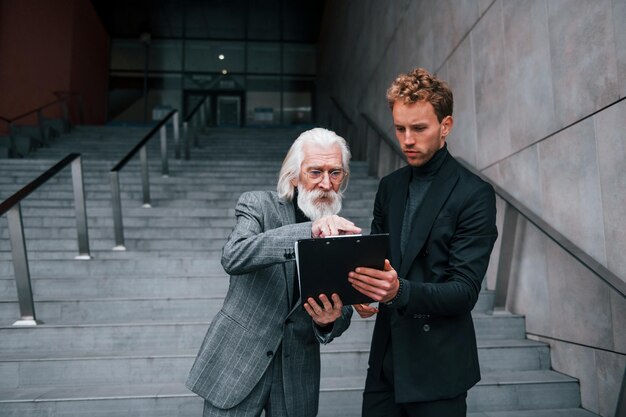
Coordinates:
224 72
221 56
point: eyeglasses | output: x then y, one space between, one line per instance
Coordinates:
335 176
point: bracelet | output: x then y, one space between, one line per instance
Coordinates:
394 299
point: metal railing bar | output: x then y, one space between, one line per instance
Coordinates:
176 136
187 131
142 142
81 209
145 177
505 261
116 204
38 109
341 110
580 255
186 136
36 183
12 206
20 268
164 163
392 143
116 199
195 109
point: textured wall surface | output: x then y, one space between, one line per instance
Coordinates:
539 88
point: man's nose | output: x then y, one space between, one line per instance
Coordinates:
325 184
408 138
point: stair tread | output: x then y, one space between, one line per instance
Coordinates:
564 412
118 354
352 383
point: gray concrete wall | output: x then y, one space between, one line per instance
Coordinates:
539 88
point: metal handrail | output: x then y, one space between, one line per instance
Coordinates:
201 122
513 208
390 142
68 94
575 251
12 206
43 137
145 180
28 113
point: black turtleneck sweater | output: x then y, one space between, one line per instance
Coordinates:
421 178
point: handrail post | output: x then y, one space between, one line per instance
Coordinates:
20 267
81 112
145 177
12 141
186 138
81 211
505 260
116 202
203 115
66 117
620 410
176 137
42 129
164 167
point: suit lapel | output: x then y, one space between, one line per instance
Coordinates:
398 205
288 216
435 197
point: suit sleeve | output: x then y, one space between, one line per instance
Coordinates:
338 327
250 246
469 252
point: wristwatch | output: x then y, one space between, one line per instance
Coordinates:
397 296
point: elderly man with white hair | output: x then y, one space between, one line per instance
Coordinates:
262 350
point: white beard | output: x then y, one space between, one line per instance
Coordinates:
313 208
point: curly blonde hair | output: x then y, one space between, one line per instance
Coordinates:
420 85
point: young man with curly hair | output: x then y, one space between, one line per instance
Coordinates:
441 221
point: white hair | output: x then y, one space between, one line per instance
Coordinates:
290 169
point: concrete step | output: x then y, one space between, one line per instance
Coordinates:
562 412
172 335
110 254
96 305
183 198
338 397
131 243
174 231
20 371
192 267
79 289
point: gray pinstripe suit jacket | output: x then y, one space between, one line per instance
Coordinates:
257 314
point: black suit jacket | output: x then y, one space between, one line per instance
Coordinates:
433 340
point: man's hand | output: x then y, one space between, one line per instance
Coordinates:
379 285
332 226
325 314
365 310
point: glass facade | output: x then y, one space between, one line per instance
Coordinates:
272 81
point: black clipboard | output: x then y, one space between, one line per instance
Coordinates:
323 264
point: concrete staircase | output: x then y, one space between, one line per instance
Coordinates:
121 330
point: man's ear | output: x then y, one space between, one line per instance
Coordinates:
446 126
294 182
